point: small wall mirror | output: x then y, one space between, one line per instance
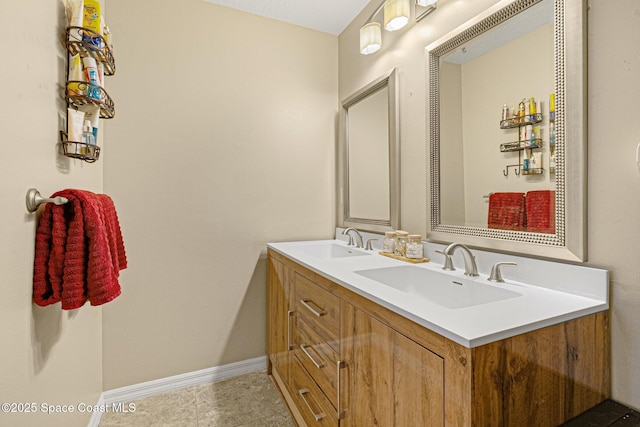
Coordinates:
507 113
369 155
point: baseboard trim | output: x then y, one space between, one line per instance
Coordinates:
176 382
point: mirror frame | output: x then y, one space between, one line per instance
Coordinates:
570 54
390 81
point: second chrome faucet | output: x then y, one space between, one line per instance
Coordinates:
359 243
470 267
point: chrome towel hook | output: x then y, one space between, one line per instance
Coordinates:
34 199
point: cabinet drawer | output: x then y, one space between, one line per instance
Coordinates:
309 399
318 358
319 307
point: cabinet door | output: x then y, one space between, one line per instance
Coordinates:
279 323
390 379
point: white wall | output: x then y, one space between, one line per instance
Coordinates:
223 140
614 181
48 355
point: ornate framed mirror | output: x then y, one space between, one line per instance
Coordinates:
484 191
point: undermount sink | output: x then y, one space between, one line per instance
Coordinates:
440 288
331 250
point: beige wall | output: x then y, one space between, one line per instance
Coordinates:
47 355
223 141
614 181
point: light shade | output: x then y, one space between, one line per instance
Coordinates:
426 3
396 14
370 38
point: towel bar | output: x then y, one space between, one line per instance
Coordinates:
34 199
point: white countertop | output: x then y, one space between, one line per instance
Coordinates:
540 305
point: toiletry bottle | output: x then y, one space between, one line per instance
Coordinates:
532 108
552 106
415 249
528 136
552 133
87 134
521 109
400 248
532 162
538 159
389 242
91 72
505 113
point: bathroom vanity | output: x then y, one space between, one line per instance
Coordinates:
346 350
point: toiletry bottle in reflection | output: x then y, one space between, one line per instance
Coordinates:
532 108
505 113
552 106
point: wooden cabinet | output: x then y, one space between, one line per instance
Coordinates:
392 380
340 359
280 313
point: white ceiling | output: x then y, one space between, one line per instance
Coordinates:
328 16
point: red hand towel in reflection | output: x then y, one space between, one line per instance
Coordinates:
79 252
506 211
541 211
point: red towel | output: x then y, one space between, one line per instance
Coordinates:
79 251
541 211
506 211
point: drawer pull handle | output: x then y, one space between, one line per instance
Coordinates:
311 309
340 365
317 417
304 347
289 346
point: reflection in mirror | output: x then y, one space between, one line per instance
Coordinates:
500 67
500 149
370 156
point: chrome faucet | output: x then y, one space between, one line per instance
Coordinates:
470 267
496 275
359 243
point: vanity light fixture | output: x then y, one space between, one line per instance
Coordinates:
370 38
396 15
425 7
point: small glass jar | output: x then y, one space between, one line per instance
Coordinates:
400 248
389 242
415 249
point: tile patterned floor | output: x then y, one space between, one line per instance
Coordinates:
249 400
